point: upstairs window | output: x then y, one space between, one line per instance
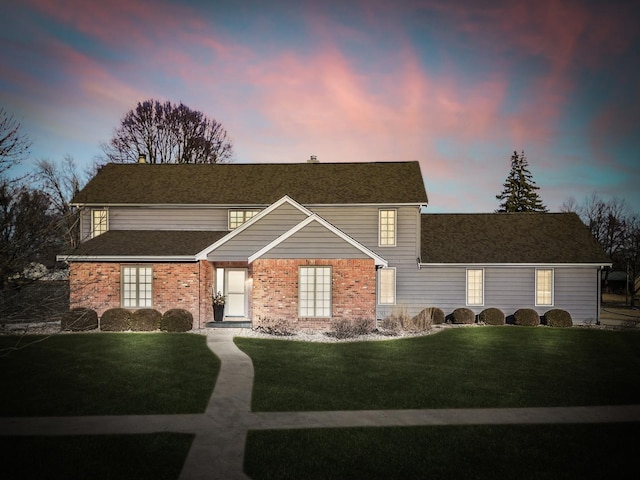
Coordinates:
136 286
544 286
314 293
387 228
475 286
238 217
99 222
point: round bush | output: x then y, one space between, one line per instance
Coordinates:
176 320
527 317
115 320
79 320
558 318
463 315
145 320
492 316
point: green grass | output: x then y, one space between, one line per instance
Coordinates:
117 457
107 374
457 368
491 452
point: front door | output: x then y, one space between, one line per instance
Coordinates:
236 297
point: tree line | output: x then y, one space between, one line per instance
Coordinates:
37 220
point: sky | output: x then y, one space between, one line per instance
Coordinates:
455 85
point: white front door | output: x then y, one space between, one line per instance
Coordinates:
236 297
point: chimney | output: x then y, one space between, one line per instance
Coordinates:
142 158
313 159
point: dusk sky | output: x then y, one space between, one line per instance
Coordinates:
456 85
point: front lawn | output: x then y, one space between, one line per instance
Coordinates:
491 452
107 374
458 368
98 457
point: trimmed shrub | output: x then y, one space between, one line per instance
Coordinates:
176 320
115 320
463 315
492 316
145 320
527 317
558 318
79 320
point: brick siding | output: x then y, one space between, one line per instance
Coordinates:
275 291
175 285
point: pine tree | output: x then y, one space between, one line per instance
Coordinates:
520 193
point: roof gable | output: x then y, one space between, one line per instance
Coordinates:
319 220
255 184
499 238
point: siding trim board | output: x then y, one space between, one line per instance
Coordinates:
516 265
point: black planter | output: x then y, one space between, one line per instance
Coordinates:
218 313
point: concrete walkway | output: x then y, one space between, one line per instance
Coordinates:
217 451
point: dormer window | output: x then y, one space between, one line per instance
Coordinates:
99 222
387 228
238 217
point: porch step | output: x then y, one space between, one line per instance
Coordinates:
229 324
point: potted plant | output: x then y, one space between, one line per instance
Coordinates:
217 299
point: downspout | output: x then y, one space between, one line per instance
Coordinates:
599 283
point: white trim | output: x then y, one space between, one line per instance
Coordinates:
516 265
395 227
466 290
239 205
124 258
315 268
553 287
316 218
286 199
395 285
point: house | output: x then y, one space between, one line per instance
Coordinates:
315 242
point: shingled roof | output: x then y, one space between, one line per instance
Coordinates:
146 243
255 184
532 238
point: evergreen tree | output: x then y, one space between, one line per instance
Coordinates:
520 193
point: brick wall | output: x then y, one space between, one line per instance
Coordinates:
175 285
275 290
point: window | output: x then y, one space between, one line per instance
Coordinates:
544 286
314 291
136 286
387 288
475 286
238 217
387 228
99 222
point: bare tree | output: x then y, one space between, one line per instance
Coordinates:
168 133
61 182
14 144
615 228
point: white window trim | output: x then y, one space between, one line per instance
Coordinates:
395 227
314 267
395 280
243 210
553 280
466 291
122 289
93 225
